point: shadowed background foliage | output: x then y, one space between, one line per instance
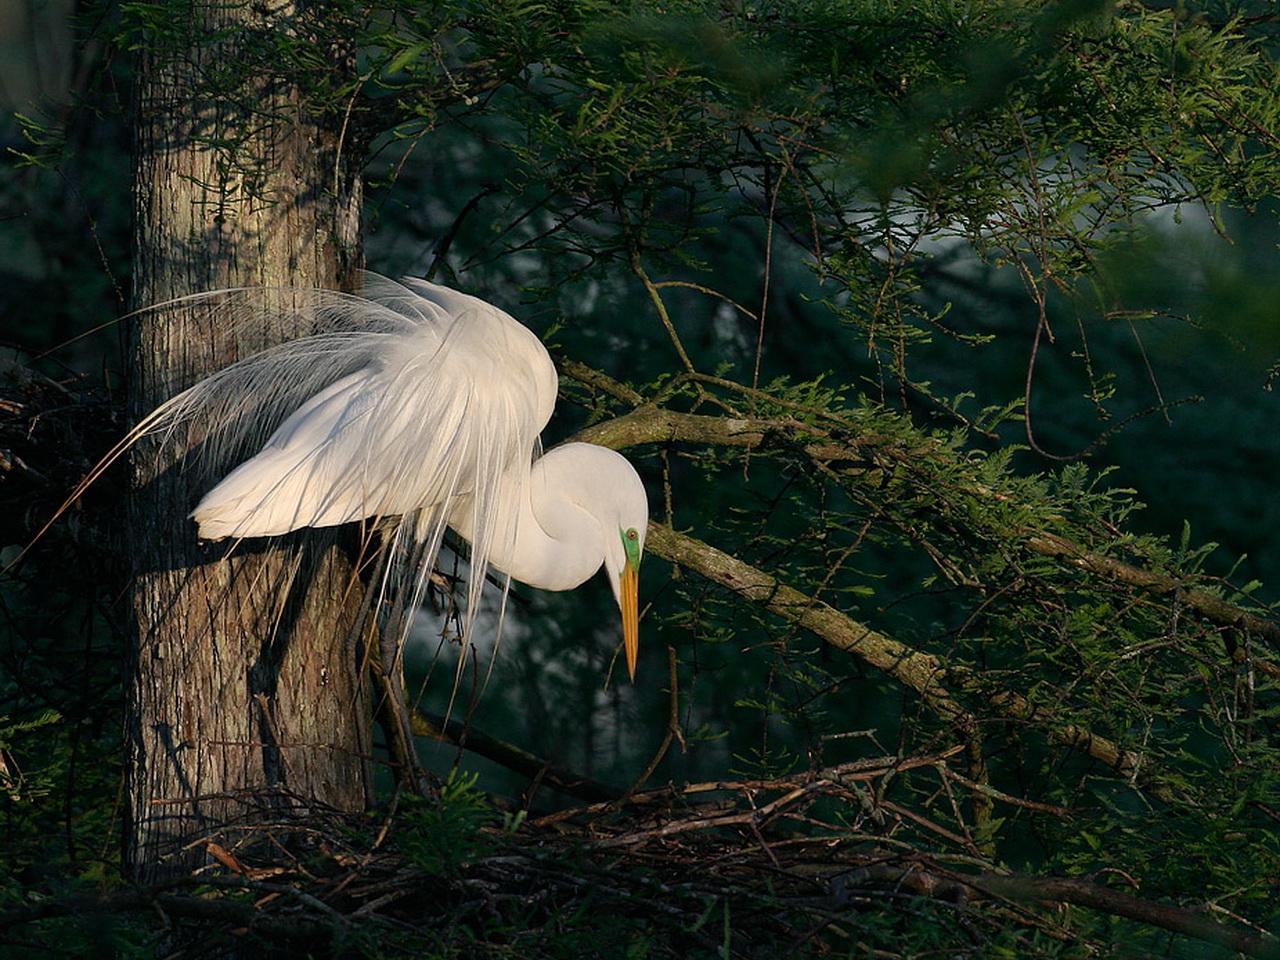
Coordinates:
1008 267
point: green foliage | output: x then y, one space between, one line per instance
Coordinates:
44 142
19 786
946 241
442 833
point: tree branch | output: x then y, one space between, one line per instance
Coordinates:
227 913
1097 897
926 674
513 758
650 424
1083 893
1206 604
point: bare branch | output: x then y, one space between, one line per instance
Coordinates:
512 757
1166 916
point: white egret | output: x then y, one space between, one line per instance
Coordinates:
418 405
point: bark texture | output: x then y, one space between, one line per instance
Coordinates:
245 694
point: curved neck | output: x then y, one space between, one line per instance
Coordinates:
544 536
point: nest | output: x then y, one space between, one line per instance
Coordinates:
815 863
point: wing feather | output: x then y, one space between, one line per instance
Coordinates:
403 401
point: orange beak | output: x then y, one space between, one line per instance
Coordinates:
630 594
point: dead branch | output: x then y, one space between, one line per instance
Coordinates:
955 887
673 726
512 757
1182 920
783 870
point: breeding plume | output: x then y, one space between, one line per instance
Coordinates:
416 408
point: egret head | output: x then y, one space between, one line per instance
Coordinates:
624 547
591 513
624 577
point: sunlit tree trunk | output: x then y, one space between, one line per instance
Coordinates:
245 697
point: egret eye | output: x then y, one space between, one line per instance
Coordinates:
631 546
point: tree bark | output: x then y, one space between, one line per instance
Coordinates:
246 700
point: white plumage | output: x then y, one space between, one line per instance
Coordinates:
451 391
416 404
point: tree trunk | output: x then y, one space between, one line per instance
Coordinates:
246 701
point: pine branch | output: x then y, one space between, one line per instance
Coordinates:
651 424
928 675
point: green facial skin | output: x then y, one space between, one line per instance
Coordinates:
631 544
